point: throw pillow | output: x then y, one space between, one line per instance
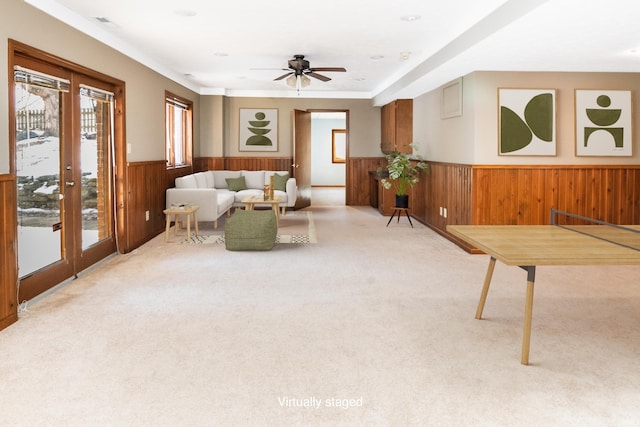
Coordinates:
236 184
280 181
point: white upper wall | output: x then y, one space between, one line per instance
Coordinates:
473 137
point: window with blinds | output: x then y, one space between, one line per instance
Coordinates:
179 131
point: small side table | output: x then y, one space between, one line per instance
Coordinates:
399 211
188 211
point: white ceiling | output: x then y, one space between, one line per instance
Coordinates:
214 47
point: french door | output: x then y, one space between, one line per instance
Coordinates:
63 147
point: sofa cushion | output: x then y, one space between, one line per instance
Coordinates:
249 192
201 179
268 174
221 176
254 179
211 182
188 181
236 184
280 181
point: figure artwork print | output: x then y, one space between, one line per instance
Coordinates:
603 123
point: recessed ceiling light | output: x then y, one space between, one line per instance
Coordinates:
186 13
405 55
410 18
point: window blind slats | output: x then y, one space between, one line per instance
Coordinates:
177 103
24 75
95 93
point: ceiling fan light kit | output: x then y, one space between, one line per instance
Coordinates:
300 70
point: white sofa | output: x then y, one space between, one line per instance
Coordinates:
210 191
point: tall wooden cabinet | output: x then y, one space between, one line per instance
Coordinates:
397 126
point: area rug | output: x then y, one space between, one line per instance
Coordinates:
294 227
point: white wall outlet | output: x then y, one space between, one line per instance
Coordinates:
146 214
128 148
440 210
445 212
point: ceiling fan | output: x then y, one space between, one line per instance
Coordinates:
299 69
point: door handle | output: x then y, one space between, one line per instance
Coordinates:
70 183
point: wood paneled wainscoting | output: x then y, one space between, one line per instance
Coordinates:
145 191
358 180
8 252
259 163
524 194
443 196
201 164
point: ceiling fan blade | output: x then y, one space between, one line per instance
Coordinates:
283 76
318 76
335 69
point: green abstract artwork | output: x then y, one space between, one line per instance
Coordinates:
603 123
258 129
527 122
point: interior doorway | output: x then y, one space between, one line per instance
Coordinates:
329 151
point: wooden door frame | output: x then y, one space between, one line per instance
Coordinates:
15 49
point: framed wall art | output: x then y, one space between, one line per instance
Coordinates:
526 122
603 123
258 129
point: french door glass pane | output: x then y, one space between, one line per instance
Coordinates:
95 131
40 203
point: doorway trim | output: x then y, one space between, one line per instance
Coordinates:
347 182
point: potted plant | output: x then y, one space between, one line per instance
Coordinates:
404 172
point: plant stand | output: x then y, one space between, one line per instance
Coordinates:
399 211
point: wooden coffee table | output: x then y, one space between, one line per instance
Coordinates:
251 201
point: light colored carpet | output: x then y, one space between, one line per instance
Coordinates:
373 325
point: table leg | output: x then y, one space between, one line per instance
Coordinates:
485 288
188 226
408 217
394 212
176 224
276 209
528 312
195 220
166 230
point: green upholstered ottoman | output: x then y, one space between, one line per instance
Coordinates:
251 230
